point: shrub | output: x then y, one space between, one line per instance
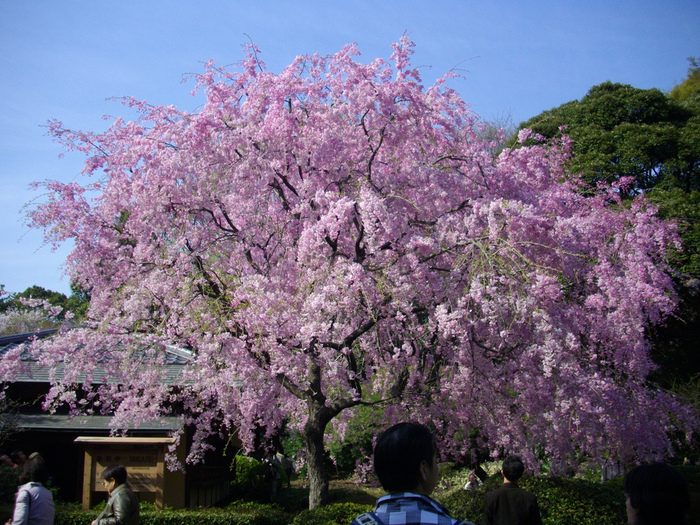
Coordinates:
362 425
246 512
8 484
572 500
8 490
251 479
248 471
333 514
466 505
561 500
691 474
238 513
73 515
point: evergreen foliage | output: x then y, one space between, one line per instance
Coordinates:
690 87
621 131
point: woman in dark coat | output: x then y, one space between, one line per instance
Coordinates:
122 506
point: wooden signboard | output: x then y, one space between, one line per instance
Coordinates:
144 459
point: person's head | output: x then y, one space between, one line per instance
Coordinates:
5 461
512 468
405 459
18 457
35 470
655 493
113 476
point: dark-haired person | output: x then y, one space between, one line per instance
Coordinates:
405 461
509 504
656 494
122 506
18 459
34 502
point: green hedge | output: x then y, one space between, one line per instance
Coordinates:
333 514
251 479
561 501
8 485
238 513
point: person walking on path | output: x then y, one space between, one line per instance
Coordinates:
509 504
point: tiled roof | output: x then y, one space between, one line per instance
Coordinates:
8 342
175 359
56 422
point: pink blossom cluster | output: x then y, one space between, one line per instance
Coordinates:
338 234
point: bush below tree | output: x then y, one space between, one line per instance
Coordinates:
562 501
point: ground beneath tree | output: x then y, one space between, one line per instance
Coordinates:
343 490
345 484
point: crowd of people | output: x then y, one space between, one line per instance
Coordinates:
405 461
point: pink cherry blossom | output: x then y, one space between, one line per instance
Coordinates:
338 234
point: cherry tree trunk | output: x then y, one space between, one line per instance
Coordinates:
315 459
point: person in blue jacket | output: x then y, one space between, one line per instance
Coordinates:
405 460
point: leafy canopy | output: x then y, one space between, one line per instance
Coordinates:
621 131
690 87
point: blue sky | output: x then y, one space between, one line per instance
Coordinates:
64 59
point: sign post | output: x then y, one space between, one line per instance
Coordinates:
144 459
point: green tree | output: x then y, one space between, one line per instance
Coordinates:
691 85
5 299
78 301
38 292
621 131
18 317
